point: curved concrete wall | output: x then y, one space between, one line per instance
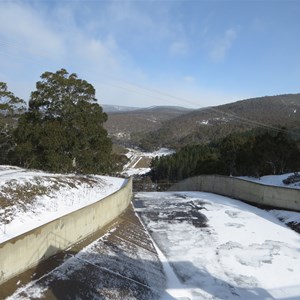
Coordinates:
280 197
27 250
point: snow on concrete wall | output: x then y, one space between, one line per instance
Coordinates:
28 249
279 197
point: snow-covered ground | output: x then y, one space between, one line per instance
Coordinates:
222 248
273 180
215 245
219 248
31 198
290 218
136 156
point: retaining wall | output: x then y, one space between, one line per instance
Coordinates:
27 250
279 197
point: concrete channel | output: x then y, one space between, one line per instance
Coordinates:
117 262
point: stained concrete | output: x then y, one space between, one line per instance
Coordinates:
29 249
260 194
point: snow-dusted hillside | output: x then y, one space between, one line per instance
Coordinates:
31 198
275 180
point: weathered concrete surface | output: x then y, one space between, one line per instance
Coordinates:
27 250
279 197
117 262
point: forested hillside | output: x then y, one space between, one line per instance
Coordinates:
205 125
129 127
252 154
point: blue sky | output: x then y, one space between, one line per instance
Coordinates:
144 53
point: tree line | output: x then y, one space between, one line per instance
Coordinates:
241 154
61 130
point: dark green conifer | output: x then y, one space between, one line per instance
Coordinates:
63 128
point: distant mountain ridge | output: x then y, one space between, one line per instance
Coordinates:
205 125
170 127
108 108
117 108
127 127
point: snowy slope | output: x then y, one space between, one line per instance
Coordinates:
222 248
31 198
273 180
136 156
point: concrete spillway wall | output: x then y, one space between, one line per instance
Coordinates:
27 250
279 197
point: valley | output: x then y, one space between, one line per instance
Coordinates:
149 150
167 245
171 127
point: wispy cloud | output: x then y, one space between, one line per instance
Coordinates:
107 43
23 30
102 45
222 45
40 46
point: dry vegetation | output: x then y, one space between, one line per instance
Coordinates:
21 196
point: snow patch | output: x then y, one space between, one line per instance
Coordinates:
275 180
70 194
135 156
243 253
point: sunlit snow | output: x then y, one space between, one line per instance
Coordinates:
275 180
237 251
73 193
211 247
135 156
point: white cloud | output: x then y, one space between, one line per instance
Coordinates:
95 54
134 22
33 45
24 31
96 48
222 45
